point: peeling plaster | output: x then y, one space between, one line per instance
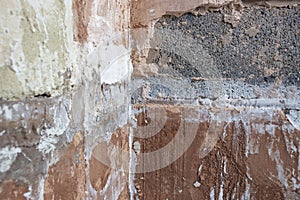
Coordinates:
7 156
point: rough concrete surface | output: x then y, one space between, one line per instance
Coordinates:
103 99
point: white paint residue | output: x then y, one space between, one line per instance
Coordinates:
37 6
221 191
152 12
50 137
118 71
270 149
247 133
132 164
253 146
233 193
299 156
197 184
2 132
200 169
279 165
68 31
41 188
212 194
270 128
114 185
248 173
115 63
296 185
137 147
47 143
7 112
294 118
28 194
246 195
222 181
280 169
287 131
259 128
16 107
7 156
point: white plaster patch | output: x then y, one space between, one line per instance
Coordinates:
197 184
7 156
50 136
7 112
2 132
16 107
270 128
137 147
112 61
47 143
118 71
28 195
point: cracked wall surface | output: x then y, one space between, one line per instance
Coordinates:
104 99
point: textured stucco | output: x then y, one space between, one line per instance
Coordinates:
36 41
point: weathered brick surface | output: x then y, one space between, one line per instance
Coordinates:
145 11
211 110
108 172
13 191
255 155
66 179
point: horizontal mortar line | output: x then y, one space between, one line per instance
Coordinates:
215 79
230 104
275 103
